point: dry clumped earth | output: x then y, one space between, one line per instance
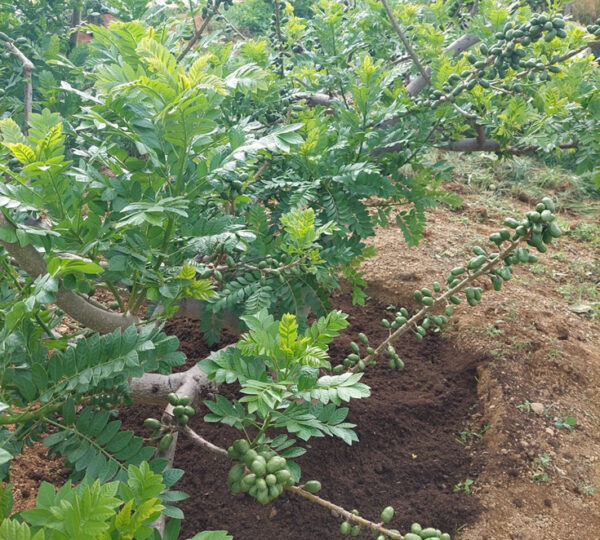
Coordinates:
488 401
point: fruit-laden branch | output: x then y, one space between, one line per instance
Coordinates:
419 83
28 67
298 490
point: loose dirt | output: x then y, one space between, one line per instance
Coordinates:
488 400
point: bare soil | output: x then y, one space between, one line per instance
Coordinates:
487 400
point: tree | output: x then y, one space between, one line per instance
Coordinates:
203 180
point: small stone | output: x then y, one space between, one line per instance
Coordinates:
272 513
549 431
537 408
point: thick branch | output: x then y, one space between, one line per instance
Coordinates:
475 144
419 83
75 306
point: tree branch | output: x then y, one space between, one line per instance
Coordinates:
28 67
411 52
75 306
197 35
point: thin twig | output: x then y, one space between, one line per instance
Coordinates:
194 39
409 49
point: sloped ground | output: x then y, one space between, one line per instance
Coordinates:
503 404
541 476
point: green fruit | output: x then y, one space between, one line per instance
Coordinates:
550 36
165 442
355 531
183 419
398 362
241 446
436 286
548 204
496 238
345 528
248 480
471 58
418 296
496 282
478 250
363 338
455 300
173 399
553 69
312 486
387 514
415 528
235 473
261 484
284 477
429 532
554 230
370 350
476 262
259 466
249 457
427 300
275 491
179 410
411 536
392 363
361 365
547 216
152 423
426 291
449 310
337 370
385 323
354 346
458 270
445 536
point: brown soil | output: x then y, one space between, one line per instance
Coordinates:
533 477
407 455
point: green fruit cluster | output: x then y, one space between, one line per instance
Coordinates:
262 473
594 28
354 359
181 408
160 434
419 533
508 52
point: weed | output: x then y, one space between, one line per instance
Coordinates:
466 436
525 406
464 487
587 488
567 422
541 464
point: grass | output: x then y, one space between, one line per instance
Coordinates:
586 11
525 175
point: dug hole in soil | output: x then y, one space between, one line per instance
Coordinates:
407 455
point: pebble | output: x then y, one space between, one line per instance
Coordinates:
537 408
